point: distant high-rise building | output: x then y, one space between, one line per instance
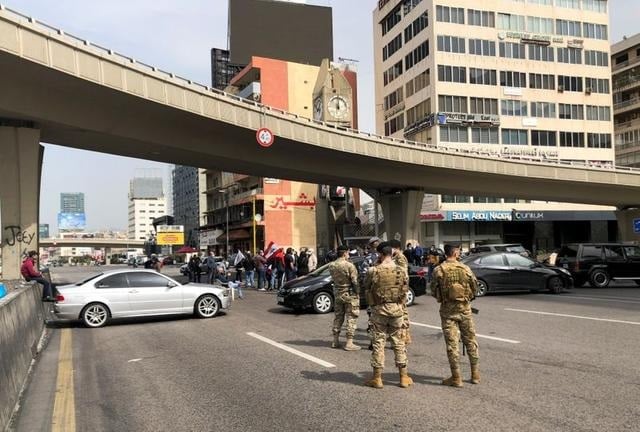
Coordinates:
72 202
146 202
186 201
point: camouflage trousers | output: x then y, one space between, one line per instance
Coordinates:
455 326
383 326
349 309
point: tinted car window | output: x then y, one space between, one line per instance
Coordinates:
632 251
589 251
483 249
518 261
145 279
492 260
569 251
613 252
114 281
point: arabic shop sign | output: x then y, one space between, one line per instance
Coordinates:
480 216
531 38
473 119
303 201
433 216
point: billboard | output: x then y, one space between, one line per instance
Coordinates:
71 221
280 30
170 235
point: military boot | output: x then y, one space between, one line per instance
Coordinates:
350 346
405 379
376 380
454 380
475 374
336 341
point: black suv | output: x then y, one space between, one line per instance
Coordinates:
599 263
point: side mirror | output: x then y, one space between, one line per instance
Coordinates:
171 285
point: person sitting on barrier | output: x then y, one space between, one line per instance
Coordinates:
29 272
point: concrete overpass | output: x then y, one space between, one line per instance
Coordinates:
92 243
61 89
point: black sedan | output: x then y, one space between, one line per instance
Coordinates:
505 271
315 290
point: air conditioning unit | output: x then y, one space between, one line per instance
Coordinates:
560 88
587 90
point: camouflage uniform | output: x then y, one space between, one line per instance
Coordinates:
454 286
386 289
401 261
346 295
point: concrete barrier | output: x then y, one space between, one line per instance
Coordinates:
21 328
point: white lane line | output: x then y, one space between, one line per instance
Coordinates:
605 299
511 341
292 350
573 316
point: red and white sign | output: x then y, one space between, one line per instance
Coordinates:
265 137
433 216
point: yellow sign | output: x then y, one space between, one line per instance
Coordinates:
170 238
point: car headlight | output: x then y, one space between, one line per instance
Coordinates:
297 290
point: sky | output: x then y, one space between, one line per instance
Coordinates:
177 36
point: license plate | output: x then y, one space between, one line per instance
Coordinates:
280 299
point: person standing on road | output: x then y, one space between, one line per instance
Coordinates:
29 272
303 262
313 260
290 265
386 287
261 267
211 267
401 261
454 286
249 270
346 298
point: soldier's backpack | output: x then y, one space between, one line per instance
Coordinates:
456 284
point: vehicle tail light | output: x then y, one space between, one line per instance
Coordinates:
59 298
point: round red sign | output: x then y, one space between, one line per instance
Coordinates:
265 137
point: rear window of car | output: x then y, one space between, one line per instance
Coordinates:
591 251
569 251
611 251
113 281
632 251
492 260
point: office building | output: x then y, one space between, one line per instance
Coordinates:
524 78
625 65
186 201
146 202
72 202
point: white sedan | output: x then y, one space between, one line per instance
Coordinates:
132 293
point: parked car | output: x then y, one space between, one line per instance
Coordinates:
503 247
168 260
315 290
184 268
600 263
510 271
129 293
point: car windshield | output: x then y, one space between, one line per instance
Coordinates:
320 271
90 278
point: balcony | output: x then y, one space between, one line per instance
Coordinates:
625 64
627 105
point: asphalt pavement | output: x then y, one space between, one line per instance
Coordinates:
564 362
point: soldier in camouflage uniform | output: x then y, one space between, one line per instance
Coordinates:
401 260
386 288
454 286
346 296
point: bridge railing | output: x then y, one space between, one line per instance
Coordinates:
439 148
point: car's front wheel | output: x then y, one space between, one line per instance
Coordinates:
411 297
483 288
599 278
555 285
95 315
322 303
207 306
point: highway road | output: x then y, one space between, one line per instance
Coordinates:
566 362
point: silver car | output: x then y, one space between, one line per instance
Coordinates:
129 293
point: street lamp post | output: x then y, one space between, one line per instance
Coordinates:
226 194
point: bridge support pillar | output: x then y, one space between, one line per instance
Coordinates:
20 168
629 224
402 215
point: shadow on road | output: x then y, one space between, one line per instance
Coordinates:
127 321
358 379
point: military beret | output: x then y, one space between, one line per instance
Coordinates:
381 246
343 248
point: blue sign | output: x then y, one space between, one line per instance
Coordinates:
636 226
71 221
482 216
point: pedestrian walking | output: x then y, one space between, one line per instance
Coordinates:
386 287
313 260
346 298
454 286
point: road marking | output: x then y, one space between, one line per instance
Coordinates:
574 316
511 341
64 414
607 299
292 350
134 360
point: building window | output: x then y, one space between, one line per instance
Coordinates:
596 85
596 58
392 73
512 50
484 135
482 47
482 76
453 104
452 73
454 134
542 2
481 18
393 99
485 200
416 27
541 53
539 25
594 5
394 124
511 22
391 20
418 83
595 31
569 83
451 44
568 28
450 14
570 55
513 108
571 139
571 111
483 106
542 81
513 79
598 140
514 137
601 113
418 54
418 112
543 109
408 5
543 138
572 4
456 199
394 45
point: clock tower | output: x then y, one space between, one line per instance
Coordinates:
333 96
